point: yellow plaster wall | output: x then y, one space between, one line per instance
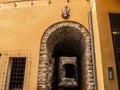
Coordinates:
103 42
13 0
22 27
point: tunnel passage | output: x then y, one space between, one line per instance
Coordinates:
65 58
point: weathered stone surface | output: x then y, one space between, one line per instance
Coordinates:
44 81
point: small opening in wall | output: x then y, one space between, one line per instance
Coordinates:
69 70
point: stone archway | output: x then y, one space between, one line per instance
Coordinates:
66 38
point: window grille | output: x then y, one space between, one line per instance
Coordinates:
15 70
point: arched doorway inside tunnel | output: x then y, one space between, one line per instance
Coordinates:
65 58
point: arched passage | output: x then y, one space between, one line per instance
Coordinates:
64 45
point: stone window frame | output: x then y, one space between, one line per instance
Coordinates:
45 67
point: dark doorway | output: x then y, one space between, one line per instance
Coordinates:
69 70
115 27
69 74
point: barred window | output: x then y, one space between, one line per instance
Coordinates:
17 73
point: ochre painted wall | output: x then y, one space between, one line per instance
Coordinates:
22 27
103 42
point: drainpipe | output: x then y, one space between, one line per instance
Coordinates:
93 48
